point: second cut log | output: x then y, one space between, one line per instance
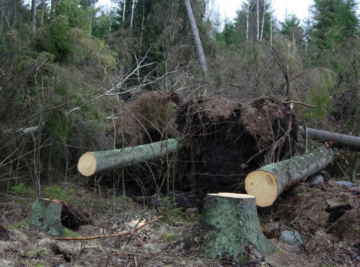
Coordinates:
268 182
99 161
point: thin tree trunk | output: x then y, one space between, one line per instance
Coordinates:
271 32
337 140
247 21
132 14
52 6
257 19
42 13
91 4
124 8
33 14
1 20
294 44
197 40
263 21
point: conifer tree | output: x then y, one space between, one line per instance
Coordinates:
335 21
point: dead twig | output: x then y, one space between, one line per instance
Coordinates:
300 103
105 236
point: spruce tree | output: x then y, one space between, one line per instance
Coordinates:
335 21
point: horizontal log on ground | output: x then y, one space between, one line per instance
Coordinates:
340 140
99 161
268 182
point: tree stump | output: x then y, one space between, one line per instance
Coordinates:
232 223
45 215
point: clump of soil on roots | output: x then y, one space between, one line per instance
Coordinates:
225 140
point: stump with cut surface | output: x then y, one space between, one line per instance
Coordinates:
232 223
268 182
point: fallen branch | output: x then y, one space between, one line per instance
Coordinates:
105 236
300 103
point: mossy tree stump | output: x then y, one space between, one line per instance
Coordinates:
232 223
45 215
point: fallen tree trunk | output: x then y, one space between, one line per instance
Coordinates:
268 182
94 162
339 140
232 223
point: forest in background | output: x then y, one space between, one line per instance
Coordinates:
66 67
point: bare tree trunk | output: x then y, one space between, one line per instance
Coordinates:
257 19
247 21
33 13
91 4
1 20
263 21
42 13
271 32
124 8
52 6
132 13
197 40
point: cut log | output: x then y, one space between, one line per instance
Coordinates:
268 182
232 223
339 140
94 162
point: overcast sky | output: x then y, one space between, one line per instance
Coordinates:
298 7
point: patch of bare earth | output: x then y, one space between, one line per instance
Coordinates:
326 217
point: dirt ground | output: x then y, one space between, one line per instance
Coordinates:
173 240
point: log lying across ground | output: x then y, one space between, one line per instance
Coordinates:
268 182
95 162
340 140
231 223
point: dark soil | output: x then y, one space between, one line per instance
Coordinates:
225 140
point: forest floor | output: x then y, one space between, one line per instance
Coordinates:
173 240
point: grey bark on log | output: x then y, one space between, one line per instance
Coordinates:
340 140
94 162
231 223
268 182
197 40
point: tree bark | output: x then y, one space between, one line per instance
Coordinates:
339 140
124 9
33 16
197 40
268 182
263 21
232 223
247 21
94 162
257 18
132 13
45 215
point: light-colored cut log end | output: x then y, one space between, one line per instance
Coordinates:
87 164
262 185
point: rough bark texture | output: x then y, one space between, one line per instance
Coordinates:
268 182
197 40
45 215
33 16
232 223
99 161
339 140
